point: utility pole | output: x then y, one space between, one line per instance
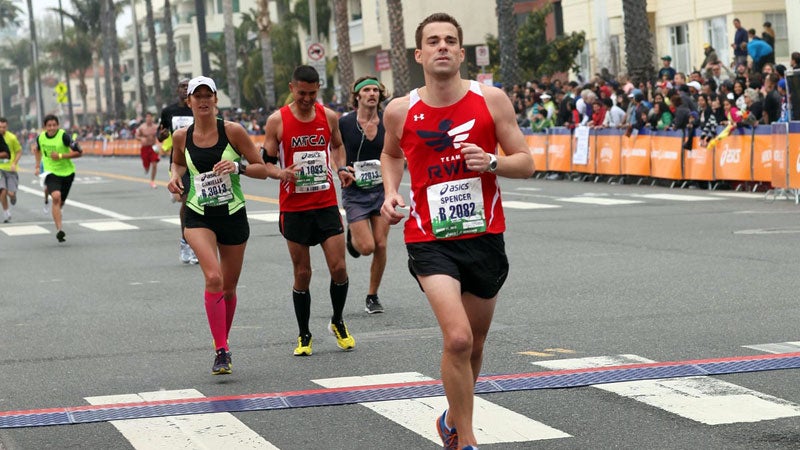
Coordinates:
37 81
312 14
137 52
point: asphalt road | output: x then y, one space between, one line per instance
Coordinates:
596 270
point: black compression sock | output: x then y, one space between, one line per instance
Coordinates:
302 310
338 298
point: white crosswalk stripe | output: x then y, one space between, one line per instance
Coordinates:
602 201
702 399
195 431
493 423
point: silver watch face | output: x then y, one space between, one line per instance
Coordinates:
493 162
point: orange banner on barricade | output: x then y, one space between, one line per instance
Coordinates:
537 144
609 151
793 162
732 156
559 150
762 153
780 144
666 155
698 164
635 155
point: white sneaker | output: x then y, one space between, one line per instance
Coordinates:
186 252
46 209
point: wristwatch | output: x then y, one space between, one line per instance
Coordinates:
492 162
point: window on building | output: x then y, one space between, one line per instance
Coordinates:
716 34
679 48
778 20
354 7
218 6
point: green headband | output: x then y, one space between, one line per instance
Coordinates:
367 82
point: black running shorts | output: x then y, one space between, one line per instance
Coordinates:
230 230
311 227
54 183
479 263
361 204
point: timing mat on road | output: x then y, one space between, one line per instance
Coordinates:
399 391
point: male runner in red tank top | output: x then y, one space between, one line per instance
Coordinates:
303 139
448 131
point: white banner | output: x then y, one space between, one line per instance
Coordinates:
581 155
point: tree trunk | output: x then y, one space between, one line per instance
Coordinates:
638 47
398 59
171 50
119 99
84 91
345 63
151 36
107 71
267 64
202 36
231 54
507 40
98 98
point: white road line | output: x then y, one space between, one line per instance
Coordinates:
23 230
602 201
76 204
111 225
702 399
493 424
173 221
753 195
527 205
195 431
679 198
779 347
264 217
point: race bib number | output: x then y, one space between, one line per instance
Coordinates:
312 172
456 208
213 189
181 122
368 173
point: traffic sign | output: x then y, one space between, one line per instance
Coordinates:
482 55
316 52
61 88
323 78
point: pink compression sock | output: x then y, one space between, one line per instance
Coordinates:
230 310
215 310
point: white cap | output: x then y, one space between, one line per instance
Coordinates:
196 82
545 95
695 84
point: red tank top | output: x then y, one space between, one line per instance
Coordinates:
308 145
449 201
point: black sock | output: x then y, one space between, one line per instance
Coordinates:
302 310
338 299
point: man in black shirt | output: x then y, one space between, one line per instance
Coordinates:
772 101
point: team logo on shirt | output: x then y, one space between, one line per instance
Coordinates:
446 136
313 140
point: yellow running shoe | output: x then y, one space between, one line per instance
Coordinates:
344 339
303 345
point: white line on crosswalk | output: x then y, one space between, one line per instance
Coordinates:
679 198
264 217
23 230
527 205
602 201
76 204
195 431
111 225
493 423
778 347
702 399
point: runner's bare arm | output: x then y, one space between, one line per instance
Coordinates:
392 159
241 141
338 153
178 167
517 162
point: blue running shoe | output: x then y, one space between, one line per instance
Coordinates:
449 435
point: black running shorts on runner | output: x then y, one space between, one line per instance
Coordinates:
230 230
479 263
62 184
361 204
311 227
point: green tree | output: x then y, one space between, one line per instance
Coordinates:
9 13
537 55
638 47
18 54
87 19
73 54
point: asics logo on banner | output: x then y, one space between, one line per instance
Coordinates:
730 155
419 117
312 140
446 136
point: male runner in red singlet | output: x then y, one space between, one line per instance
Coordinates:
304 138
448 131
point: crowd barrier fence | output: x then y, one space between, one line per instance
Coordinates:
130 147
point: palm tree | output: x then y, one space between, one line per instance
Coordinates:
112 11
397 39
106 54
18 54
9 13
88 20
638 47
151 36
230 50
345 62
507 37
202 36
267 64
74 55
171 51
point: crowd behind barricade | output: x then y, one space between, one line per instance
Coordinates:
750 90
